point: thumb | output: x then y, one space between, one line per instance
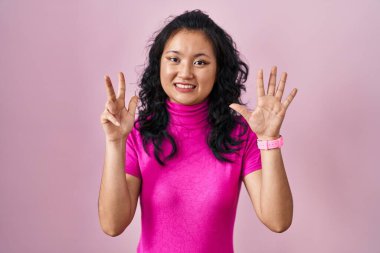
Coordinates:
132 105
240 109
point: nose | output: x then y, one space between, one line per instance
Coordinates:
185 71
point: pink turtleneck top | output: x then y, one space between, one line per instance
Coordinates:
189 205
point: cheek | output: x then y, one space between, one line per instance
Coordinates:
166 72
208 77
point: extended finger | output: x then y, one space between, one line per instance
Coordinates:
260 83
290 98
241 109
281 86
121 86
111 107
110 91
272 81
132 105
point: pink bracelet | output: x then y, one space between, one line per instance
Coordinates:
266 144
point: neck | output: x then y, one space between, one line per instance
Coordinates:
189 116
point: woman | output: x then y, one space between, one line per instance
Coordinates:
189 149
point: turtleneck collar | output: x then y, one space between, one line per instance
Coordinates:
189 116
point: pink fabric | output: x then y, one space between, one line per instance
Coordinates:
190 204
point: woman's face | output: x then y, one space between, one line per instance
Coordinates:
188 67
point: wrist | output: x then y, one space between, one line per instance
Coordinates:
116 142
269 143
268 138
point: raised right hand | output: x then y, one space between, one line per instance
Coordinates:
117 121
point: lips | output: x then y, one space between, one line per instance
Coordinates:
185 85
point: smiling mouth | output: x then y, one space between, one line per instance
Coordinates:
184 86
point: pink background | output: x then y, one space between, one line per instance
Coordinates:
53 55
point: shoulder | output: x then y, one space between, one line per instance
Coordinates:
134 135
243 130
241 125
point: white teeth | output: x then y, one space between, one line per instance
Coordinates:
185 86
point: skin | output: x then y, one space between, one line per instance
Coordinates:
188 57
268 188
119 191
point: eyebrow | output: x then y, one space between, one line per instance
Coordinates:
196 55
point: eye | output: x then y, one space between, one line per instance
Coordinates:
173 59
201 62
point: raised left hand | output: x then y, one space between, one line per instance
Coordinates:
269 113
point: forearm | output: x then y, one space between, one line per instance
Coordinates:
275 196
114 201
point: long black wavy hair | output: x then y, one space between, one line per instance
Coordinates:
232 72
